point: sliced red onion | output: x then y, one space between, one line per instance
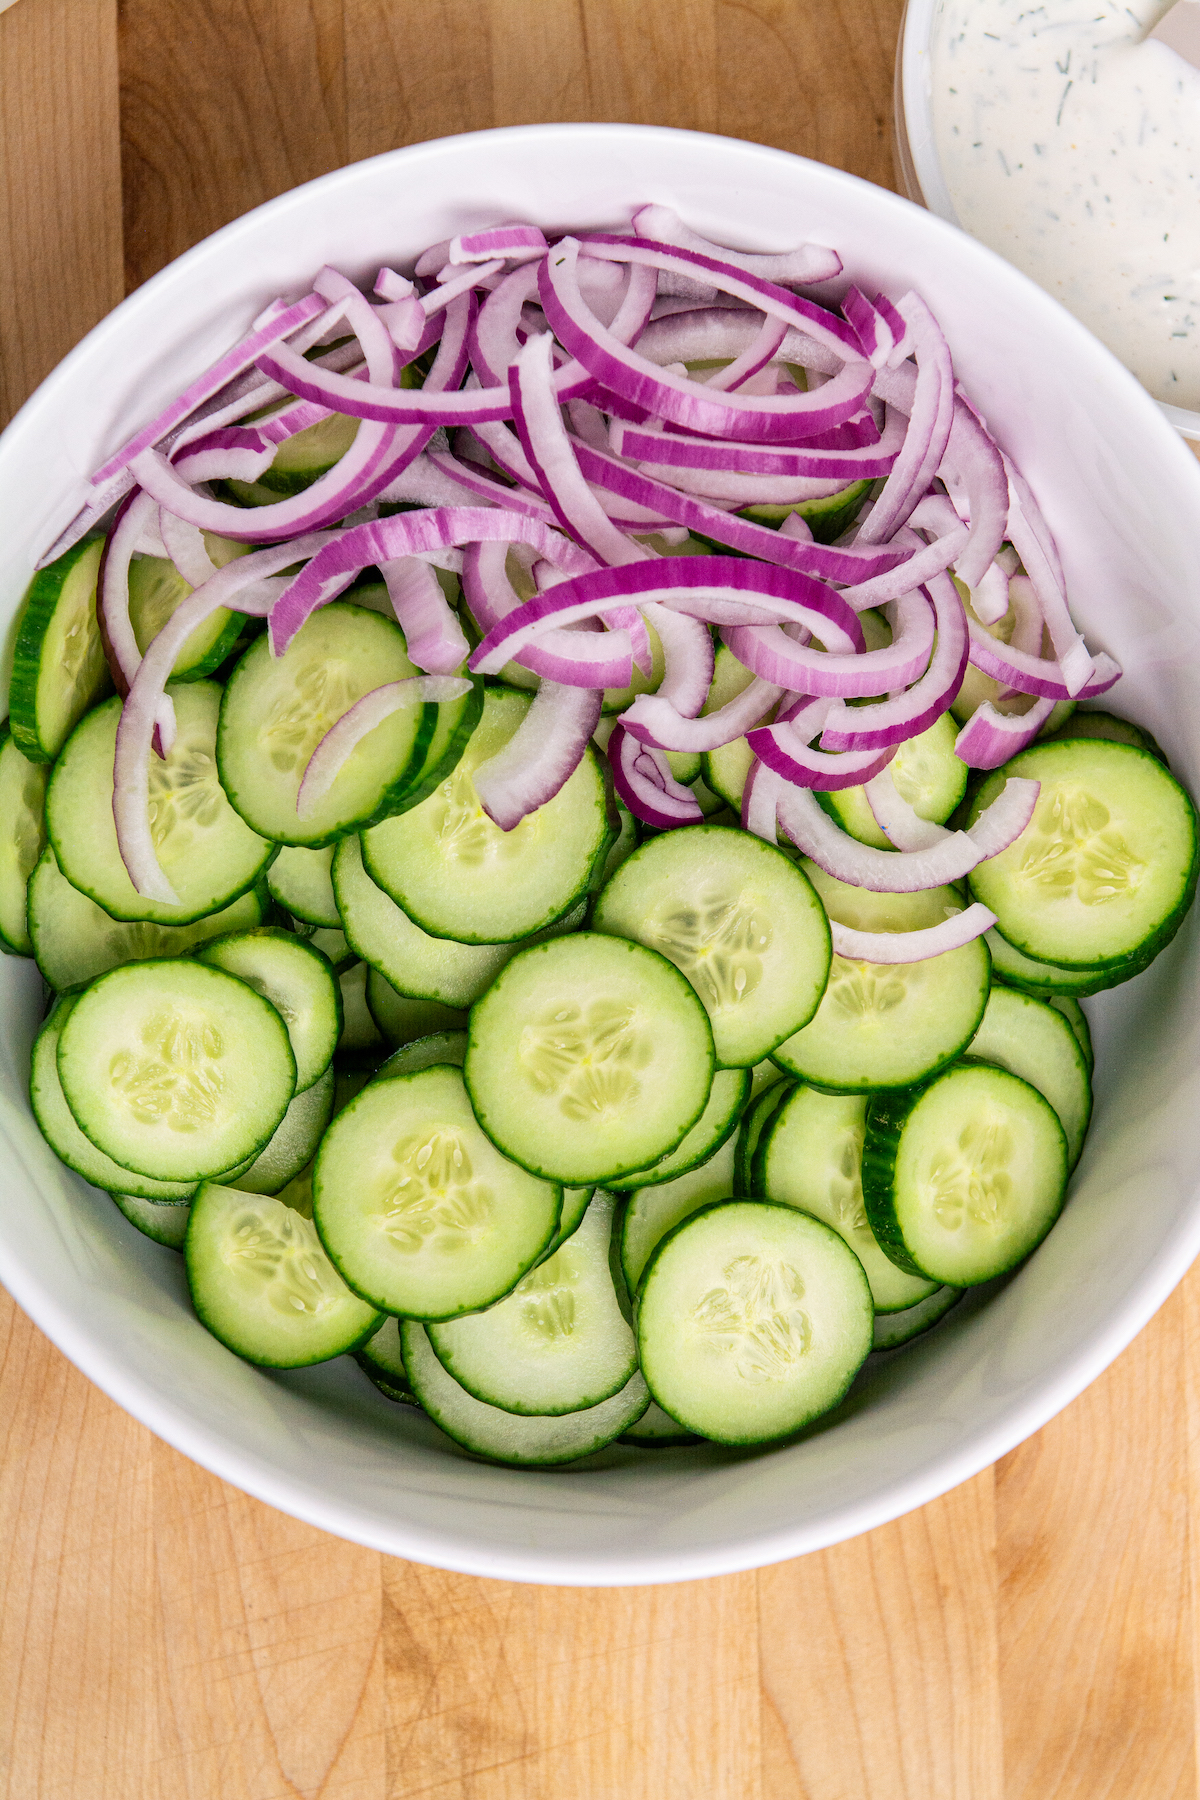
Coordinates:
1035 674
785 748
711 587
736 489
665 451
831 562
514 242
358 721
557 656
928 427
766 651
806 265
643 779
990 738
873 331
689 659
390 286
903 715
718 333
626 372
470 482
185 546
112 588
409 534
754 357
1031 539
432 633
506 452
896 871
921 569
652 719
541 756
973 470
899 821
912 946
1029 628
494 342
989 596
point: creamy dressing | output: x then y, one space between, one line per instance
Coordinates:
1072 147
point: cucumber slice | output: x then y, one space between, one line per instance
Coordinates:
684 765
654 1211
626 843
1083 724
588 1056
558 1343
359 1030
437 1047
457 875
575 1203
294 1142
300 881
178 1069
810 1156
208 854
508 1437
401 1019
617 699
758 1116
156 589
381 1359
310 453
57 1123
1076 1018
739 919
826 517
74 940
335 946
1047 981
657 1430
59 667
926 773
883 1025
166 1222
1037 1043
276 710
894 1329
453 726
753 1319
263 1285
1106 868
410 960
725 769
419 1212
726 1102
298 982
22 835
964 1177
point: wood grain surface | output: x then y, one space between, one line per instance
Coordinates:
1031 1636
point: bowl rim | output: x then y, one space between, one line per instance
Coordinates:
253 1472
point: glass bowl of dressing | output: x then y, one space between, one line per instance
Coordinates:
1068 139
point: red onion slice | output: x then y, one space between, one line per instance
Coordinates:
928 427
643 779
754 357
769 653
903 715
990 738
432 633
557 656
1031 539
1035 674
874 332
654 721
973 471
785 748
806 265
897 819
358 721
510 241
185 546
912 946
689 659
541 756
921 569
650 444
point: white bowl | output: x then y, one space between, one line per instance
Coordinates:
1123 495
916 144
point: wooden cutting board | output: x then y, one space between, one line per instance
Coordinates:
1029 1637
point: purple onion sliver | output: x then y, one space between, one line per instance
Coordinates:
904 715
768 652
431 631
359 720
990 738
806 265
1037 675
786 749
541 756
898 821
912 946
643 779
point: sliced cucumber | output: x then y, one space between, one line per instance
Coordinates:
508 1437
74 940
1037 1043
22 835
964 1177
559 1342
883 1025
1076 1018
926 772
657 1430
309 454
617 699
300 882
755 1121
654 1211
810 1156
294 1142
298 982
739 919
826 517
57 1123
726 1102
1047 981
381 1359
277 710
419 1212
725 769
684 765
335 946
622 849
1106 868
894 1329
359 1030
179 1070
575 1203
422 1053
59 667
752 1320
166 1222
453 726
457 875
1106 725
401 1019
156 589
263 1285
588 1056
208 853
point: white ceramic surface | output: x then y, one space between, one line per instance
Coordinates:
916 146
1123 494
